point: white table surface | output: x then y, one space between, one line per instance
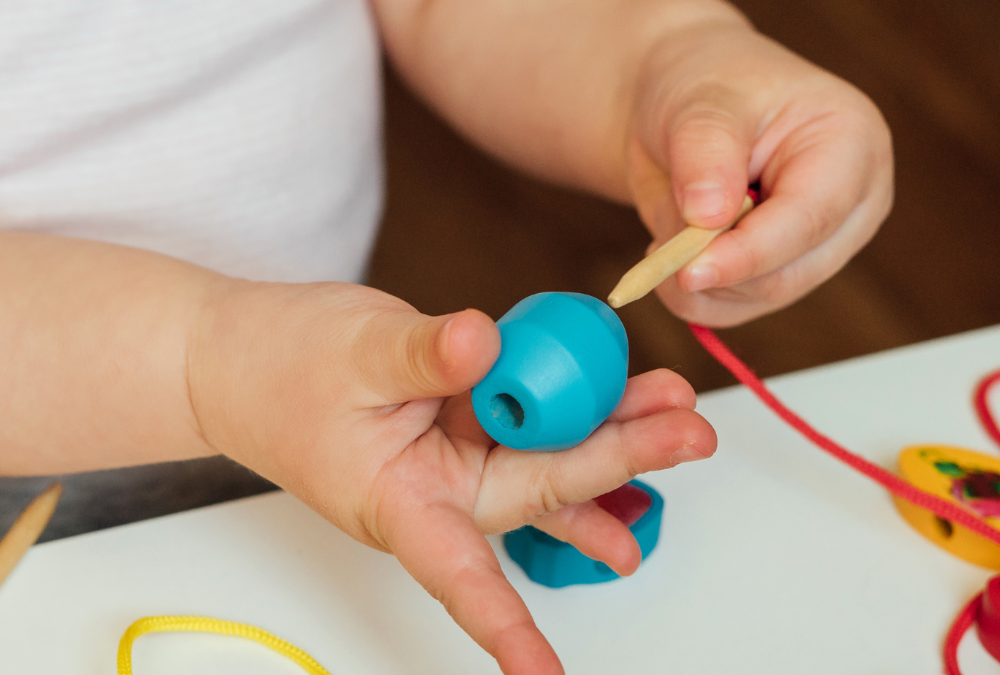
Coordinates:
773 559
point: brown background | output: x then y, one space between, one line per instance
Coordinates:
461 230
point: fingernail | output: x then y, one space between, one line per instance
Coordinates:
701 277
703 201
687 454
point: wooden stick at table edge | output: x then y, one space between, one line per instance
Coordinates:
655 268
27 529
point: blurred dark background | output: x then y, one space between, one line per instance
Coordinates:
462 230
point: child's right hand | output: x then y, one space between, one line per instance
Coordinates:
358 404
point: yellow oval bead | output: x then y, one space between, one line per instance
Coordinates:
964 477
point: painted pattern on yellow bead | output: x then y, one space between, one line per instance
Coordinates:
965 477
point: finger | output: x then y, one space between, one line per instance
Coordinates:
442 549
708 140
610 457
822 174
650 392
812 195
595 533
732 305
645 394
403 356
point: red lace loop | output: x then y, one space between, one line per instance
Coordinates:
982 404
959 626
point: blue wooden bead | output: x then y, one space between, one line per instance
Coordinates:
556 564
561 371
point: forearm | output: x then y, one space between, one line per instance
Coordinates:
93 348
545 84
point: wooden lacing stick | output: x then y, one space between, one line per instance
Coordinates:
654 269
27 528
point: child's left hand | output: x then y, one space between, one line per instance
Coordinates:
719 106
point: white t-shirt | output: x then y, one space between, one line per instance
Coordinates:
242 135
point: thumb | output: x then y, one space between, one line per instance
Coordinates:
403 356
709 140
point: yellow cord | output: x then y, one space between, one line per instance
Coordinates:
202 624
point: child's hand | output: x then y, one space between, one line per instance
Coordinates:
359 405
719 106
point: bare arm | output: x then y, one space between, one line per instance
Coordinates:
546 84
93 349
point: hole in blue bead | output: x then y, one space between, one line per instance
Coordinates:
507 411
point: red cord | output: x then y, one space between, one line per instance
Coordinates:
959 626
983 406
887 479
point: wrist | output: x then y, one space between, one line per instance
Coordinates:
216 355
265 361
